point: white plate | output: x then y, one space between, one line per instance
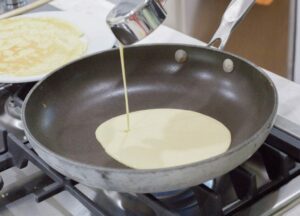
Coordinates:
96 33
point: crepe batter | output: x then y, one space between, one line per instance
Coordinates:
161 138
121 48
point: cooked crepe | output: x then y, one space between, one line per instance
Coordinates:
160 138
34 46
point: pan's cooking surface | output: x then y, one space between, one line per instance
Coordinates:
65 109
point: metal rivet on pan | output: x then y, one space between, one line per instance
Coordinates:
25 138
228 65
181 56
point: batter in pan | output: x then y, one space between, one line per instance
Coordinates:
161 138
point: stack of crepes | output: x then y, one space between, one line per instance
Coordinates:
34 46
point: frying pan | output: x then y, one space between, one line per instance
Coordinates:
62 112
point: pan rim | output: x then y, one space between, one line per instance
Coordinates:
268 124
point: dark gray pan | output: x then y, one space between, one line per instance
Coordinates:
62 112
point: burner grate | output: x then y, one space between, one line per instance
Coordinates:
285 142
18 154
241 187
199 200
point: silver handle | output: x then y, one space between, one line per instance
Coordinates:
234 13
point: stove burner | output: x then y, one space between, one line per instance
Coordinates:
11 99
183 201
129 204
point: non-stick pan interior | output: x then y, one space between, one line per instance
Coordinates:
64 110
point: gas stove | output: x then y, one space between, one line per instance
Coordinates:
266 183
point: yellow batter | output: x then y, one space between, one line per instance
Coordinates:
121 49
33 46
160 138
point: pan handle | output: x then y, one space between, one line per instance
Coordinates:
234 13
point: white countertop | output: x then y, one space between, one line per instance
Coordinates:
288 117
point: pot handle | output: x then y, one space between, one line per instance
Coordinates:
234 13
